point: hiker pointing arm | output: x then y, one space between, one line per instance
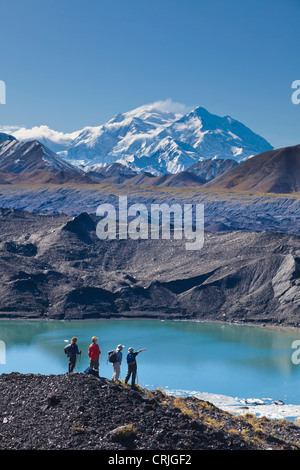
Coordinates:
132 366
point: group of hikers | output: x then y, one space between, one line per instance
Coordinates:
115 356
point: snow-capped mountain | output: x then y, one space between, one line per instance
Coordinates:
166 145
215 136
154 138
125 138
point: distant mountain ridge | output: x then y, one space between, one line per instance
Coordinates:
277 171
39 157
211 168
32 162
154 139
28 162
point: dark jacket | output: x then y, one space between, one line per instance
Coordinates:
73 350
131 358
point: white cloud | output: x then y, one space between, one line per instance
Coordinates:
39 133
170 106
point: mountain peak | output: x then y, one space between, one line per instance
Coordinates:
199 110
4 137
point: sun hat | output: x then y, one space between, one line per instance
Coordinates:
94 338
130 349
120 346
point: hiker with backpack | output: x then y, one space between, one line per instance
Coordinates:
72 352
115 357
94 355
132 365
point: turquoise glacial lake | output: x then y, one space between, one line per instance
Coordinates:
227 359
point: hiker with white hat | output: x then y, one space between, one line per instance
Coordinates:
116 360
132 365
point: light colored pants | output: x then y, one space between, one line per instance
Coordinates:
117 369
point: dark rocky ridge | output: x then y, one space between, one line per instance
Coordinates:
275 171
55 267
82 412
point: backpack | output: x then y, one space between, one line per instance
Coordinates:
67 349
130 358
112 356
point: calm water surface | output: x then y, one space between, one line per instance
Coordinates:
234 360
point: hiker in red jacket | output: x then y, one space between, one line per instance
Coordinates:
94 354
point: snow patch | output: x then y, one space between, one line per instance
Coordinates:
268 407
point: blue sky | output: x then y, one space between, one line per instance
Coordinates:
68 64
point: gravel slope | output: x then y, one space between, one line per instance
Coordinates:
79 411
